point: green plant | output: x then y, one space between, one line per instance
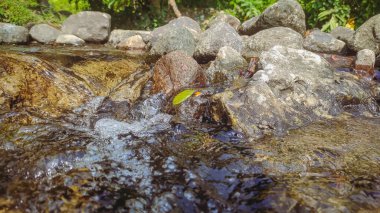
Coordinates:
245 9
18 12
326 14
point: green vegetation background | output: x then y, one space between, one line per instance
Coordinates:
147 14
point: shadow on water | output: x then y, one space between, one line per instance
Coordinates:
92 159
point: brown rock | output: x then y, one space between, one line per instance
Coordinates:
174 71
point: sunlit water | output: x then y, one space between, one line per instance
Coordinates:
91 160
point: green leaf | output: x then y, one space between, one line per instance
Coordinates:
182 96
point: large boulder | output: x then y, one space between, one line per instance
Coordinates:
69 40
226 66
266 39
118 36
226 18
44 33
318 41
284 13
13 34
367 36
88 25
181 22
294 88
177 38
214 38
246 27
187 23
344 34
173 72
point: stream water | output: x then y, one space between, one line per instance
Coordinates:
102 155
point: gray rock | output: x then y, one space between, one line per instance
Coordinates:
178 38
187 23
226 18
70 40
226 66
117 36
247 27
318 41
344 34
284 13
214 38
88 25
181 22
266 39
367 36
365 58
44 33
135 42
294 88
173 72
13 34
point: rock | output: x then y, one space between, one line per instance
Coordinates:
44 33
13 34
173 72
226 66
266 39
294 88
177 38
365 61
181 22
226 18
284 13
118 36
43 86
69 39
338 61
367 36
247 27
344 34
187 23
213 39
120 80
318 41
135 42
88 25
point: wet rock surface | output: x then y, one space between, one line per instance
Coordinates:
110 153
293 89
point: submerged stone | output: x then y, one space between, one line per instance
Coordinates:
295 88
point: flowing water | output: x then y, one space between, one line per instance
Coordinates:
100 147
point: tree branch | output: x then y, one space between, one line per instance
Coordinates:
175 8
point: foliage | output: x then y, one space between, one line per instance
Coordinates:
21 12
183 96
326 14
72 6
18 12
245 9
